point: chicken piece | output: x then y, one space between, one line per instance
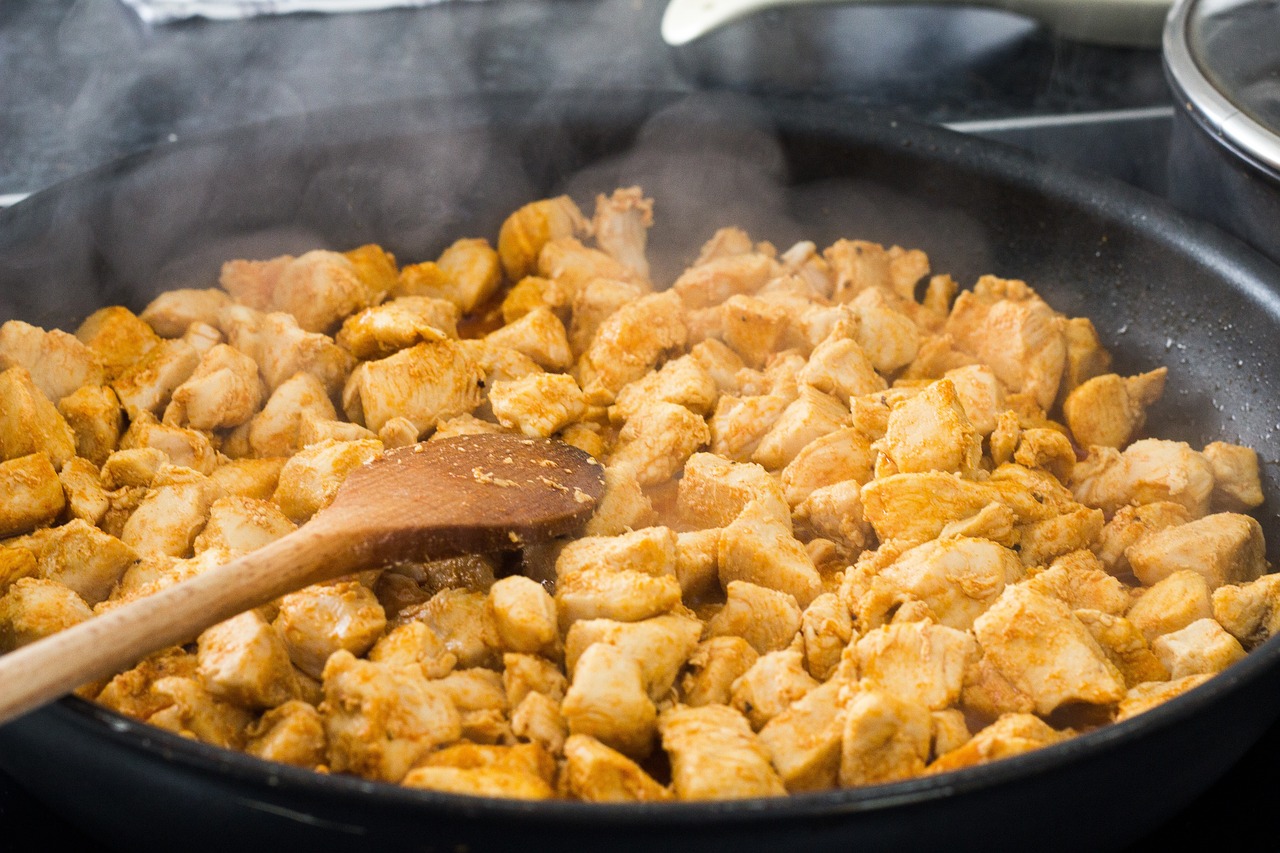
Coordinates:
765 618
957 578
1010 735
31 495
1147 471
94 414
715 755
29 423
524 233
194 712
1249 611
629 343
171 313
277 429
376 269
249 478
538 405
537 719
889 337
524 615
172 514
1224 547
380 719
472 271
594 773
538 334
770 686
919 662
242 524
321 619
461 618
1144 697
117 337
385 329
291 733
738 424
1047 449
937 356
682 381
1080 580
282 348
478 782
835 513
481 701
995 521
931 432
203 337
840 367
657 441
34 608
310 479
759 547
621 226
1045 652
1203 647
224 391
805 740
715 280
86 559
58 363
754 328
185 448
827 628
980 393
1237 486
414 643
135 467
1011 329
525 759
318 288
17 561
810 416
843 455
607 700
713 492
426 383
1129 525
660 645
1110 410
244 661
651 550
591 302
624 505
885 739
147 385
1086 356
130 692
858 266
534 291
625 595
1125 646
713 667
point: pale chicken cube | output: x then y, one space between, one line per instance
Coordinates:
629 343
607 700
624 505
482 705
462 619
183 447
96 418
621 226
133 467
318 288
147 385
537 719
321 619
538 334
1047 539
1144 697
885 739
1125 646
310 479
223 391
805 741
426 383
277 429
888 336
1249 610
768 688
1086 356
660 645
282 348
532 292
840 367
117 337
1012 734
810 416
243 524
931 432
712 669
715 755
840 456
382 330
958 578
203 337
713 492
538 405
291 733
1110 410
250 478
625 595
466 273
29 423
717 279
524 674
657 441
921 662
1203 647
835 513
827 628
574 266
651 551
1237 486
682 381
758 547
174 311
1130 524
172 514
194 712
1147 471
243 660
86 559
1047 449
524 615
31 495
57 362
1080 580
753 327
858 266
980 393
1225 547
1035 642
739 424
765 618
869 414
380 720
34 608
414 643
524 232
594 773
82 484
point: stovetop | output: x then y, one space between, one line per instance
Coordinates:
85 82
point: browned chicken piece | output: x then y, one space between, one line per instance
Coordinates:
759 547
310 479
250 478
130 692
472 273
626 595
321 619
1080 581
885 738
380 719
770 685
1129 525
1249 611
376 269
174 311
835 513
33 608
1047 449
86 559
1045 652
538 405
524 615
382 330
534 291
537 719
712 668
921 662
1237 485
651 550
426 383
889 337
594 773
810 416
765 618
148 384
194 712
1147 471
1010 735
607 700
753 327
1225 547
482 705
860 265
681 381
840 456
57 362
184 448
716 279
318 288
94 414
116 336
1086 356
414 643
1125 646
826 628
538 334
528 759
621 226
1110 410
223 391
277 429
29 423
805 740
715 755
740 423
173 512
244 661
478 782
282 349
995 521
713 491
840 367
657 440
460 617
291 733
931 432
16 561
524 233
660 645
629 342
133 467
592 303
805 261
958 578
1003 440
1144 697
1203 647
623 506
523 674
1043 541
722 363
242 524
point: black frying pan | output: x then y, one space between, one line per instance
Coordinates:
1162 290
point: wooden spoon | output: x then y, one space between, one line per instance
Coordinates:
461 495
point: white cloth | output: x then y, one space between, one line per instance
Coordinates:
162 11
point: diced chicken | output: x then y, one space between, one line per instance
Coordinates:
765 618
1237 486
841 456
426 383
537 719
292 733
626 595
715 755
1144 697
931 432
1010 735
1249 611
826 628
57 362
194 712
1203 647
621 226
318 288
538 405
243 524
738 424
524 674
657 441
94 414
840 367
414 643
29 423
1129 525
1086 356
1149 470
117 337
713 492
1079 580
682 381
467 273
133 466
920 662
660 645
759 547
1125 646
282 349
538 334
310 479
594 773
628 343
385 329
321 619
889 337
223 391
34 608
250 478
148 384
185 448
712 669
244 661
885 739
524 615
85 559
461 618
623 506
1224 547
30 494
835 513
980 393
717 279
277 429
1047 449
958 578
768 688
1110 410
805 740
607 700
174 311
810 416
524 233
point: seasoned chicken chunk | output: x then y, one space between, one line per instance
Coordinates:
885 739
467 273
715 755
621 226
291 733
117 336
810 416
1011 734
1201 647
30 494
174 311
1249 610
310 479
841 456
33 608
805 741
538 405
712 669
192 711
426 383
931 432
759 547
29 423
281 348
96 418
660 645
57 362
524 614
1129 525
245 661
321 619
223 391
958 578
1147 471
385 329
594 773
277 430
765 618
1110 410
243 524
318 288
682 381
628 343
147 385
607 700
1237 486
524 233
86 559
770 685
1224 547
657 441
920 662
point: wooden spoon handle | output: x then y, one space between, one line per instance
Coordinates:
118 638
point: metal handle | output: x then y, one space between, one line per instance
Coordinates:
1124 23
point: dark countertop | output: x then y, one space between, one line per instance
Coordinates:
86 82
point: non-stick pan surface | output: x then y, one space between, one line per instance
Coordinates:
1161 289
